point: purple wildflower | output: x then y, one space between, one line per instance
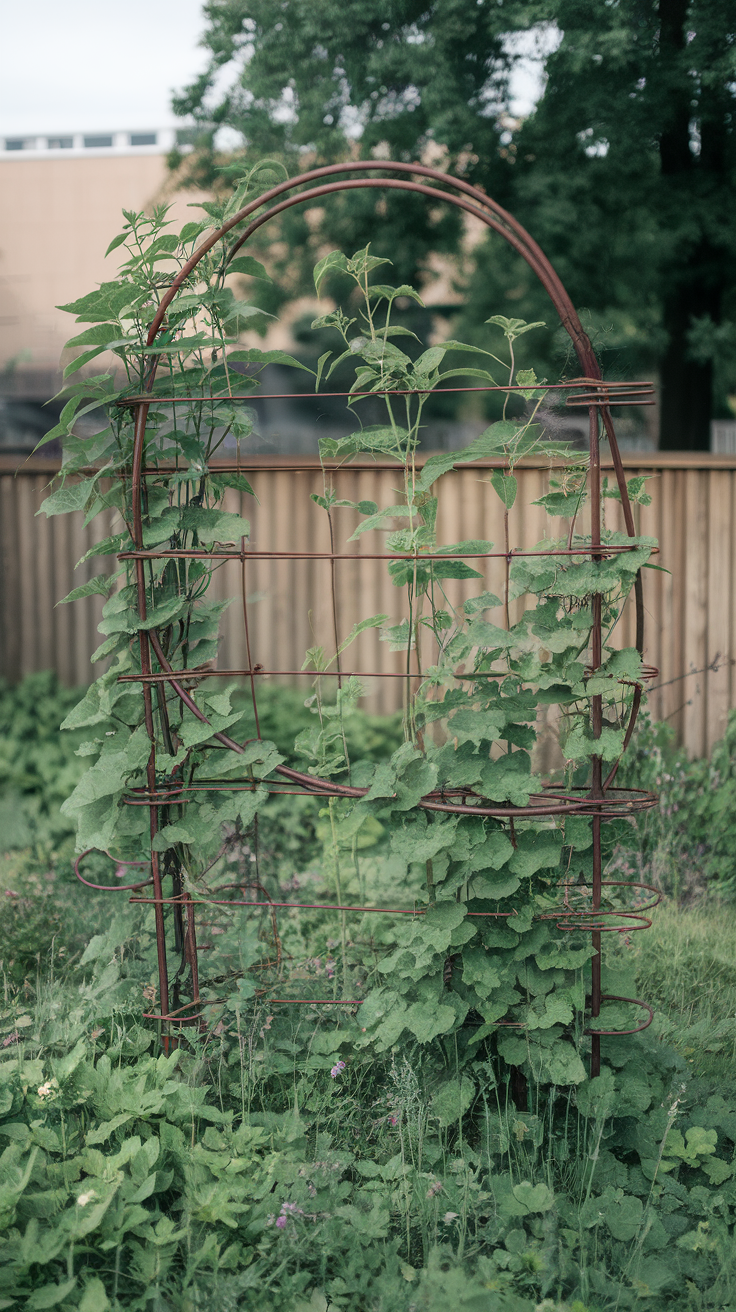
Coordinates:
337 1069
280 1222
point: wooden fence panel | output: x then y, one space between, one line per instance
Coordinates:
690 609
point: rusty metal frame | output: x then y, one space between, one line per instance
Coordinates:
600 802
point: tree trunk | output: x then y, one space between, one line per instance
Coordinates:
692 282
686 384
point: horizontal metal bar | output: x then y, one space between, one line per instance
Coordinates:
150 398
601 549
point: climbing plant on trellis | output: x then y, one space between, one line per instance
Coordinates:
504 938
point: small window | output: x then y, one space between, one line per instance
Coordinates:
60 143
15 143
143 138
97 141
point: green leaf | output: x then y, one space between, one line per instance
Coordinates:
163 613
379 520
452 569
505 485
320 367
84 359
99 335
383 292
486 601
426 1020
536 850
256 356
430 360
451 1101
105 303
535 1197
334 262
215 525
94 1298
513 328
623 1214
73 496
479 971
116 241
374 622
100 586
50 1295
246 264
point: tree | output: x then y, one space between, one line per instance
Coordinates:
625 172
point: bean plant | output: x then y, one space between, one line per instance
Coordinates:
483 959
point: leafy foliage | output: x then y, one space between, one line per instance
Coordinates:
485 953
271 1163
624 171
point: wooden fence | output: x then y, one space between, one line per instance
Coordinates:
691 613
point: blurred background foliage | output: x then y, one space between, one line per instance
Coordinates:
624 170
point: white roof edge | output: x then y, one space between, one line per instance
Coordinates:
122 143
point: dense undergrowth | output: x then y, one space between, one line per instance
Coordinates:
271 1163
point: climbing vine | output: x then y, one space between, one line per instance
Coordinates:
489 955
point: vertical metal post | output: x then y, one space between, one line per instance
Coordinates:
596 715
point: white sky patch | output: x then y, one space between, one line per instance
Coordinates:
527 79
87 66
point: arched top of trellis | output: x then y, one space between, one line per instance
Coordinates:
458 193
464 197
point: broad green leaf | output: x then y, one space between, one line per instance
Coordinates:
479 971
379 520
246 264
536 850
98 335
382 291
334 262
50 1295
429 360
105 303
94 1298
426 1021
623 1214
535 1197
486 601
505 485
215 525
255 356
163 613
73 496
453 1099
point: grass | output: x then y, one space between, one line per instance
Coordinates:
686 968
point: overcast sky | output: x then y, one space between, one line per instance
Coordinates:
88 65
93 66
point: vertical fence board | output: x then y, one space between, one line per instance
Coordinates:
718 607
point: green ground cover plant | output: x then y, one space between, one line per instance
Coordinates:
379 1156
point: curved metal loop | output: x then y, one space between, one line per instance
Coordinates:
109 888
634 1002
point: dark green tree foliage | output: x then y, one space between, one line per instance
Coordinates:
624 173
627 173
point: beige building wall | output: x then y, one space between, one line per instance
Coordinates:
57 218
